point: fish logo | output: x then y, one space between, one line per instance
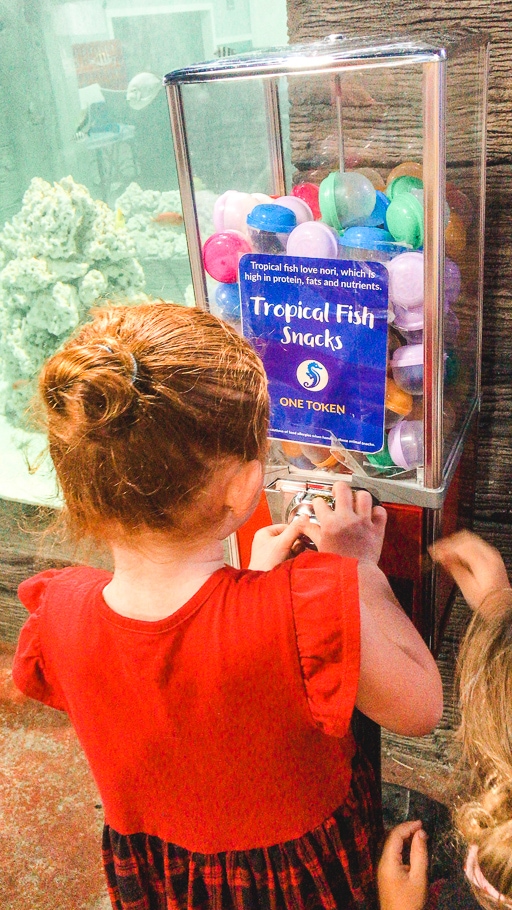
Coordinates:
312 375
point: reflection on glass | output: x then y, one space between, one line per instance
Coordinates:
463 240
89 201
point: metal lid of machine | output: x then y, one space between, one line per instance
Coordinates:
331 53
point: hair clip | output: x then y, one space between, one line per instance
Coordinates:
135 366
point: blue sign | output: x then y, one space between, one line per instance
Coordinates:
320 327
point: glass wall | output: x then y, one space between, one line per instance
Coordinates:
89 206
464 238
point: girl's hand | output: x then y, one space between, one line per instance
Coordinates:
404 886
354 528
475 566
273 545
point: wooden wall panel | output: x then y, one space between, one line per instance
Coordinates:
308 22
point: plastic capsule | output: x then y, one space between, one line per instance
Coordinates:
405 444
221 255
406 169
346 199
455 236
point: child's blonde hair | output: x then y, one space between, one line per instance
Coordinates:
485 678
141 407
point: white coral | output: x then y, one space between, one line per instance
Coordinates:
56 312
92 286
47 224
106 241
27 276
154 239
58 255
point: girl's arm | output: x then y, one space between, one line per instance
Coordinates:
399 685
478 569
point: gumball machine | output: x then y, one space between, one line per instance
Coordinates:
345 241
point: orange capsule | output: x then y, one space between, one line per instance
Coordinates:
328 465
455 236
406 169
460 203
341 467
397 400
373 176
316 454
291 449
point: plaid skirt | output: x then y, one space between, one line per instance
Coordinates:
332 867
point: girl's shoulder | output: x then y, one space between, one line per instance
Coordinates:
51 597
310 570
321 590
323 572
322 593
57 583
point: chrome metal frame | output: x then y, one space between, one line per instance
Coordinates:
432 526
186 185
327 56
275 136
434 181
484 54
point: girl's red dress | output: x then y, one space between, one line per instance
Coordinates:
219 737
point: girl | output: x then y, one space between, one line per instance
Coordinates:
213 705
483 820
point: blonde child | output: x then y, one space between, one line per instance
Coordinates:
483 820
213 704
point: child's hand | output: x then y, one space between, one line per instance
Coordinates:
273 545
475 566
404 886
355 527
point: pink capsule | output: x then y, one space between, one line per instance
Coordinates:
308 192
221 255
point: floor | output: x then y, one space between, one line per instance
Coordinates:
50 820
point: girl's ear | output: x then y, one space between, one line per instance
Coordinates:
243 489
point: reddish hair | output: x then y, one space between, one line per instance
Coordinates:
142 406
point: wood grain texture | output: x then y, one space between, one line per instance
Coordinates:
307 22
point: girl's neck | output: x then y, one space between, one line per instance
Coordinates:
159 572
158 575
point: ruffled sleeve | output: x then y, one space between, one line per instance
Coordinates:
325 604
29 672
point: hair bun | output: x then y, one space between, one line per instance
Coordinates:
92 386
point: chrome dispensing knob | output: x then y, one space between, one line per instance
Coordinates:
302 504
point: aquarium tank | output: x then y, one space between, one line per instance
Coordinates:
89 204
